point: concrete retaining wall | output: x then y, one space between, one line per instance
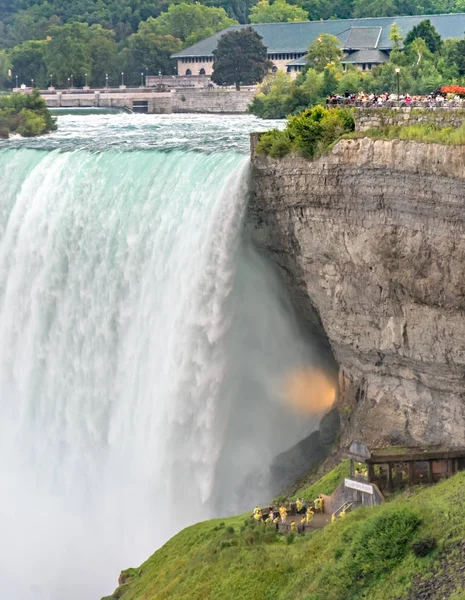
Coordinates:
212 101
181 101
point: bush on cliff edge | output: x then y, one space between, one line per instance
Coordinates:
310 134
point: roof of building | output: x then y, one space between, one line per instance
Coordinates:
356 58
298 62
366 56
360 37
361 453
355 34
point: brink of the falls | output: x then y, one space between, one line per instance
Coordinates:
144 344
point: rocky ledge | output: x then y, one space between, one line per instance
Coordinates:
371 242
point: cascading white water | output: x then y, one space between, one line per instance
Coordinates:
142 347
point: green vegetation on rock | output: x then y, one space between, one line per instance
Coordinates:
383 553
310 134
430 133
25 114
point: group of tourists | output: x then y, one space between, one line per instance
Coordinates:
280 517
386 99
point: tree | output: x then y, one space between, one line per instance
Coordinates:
4 68
149 53
76 49
351 81
278 12
426 31
271 100
188 22
103 55
454 51
374 8
330 83
327 9
240 57
395 36
236 9
324 50
28 62
312 82
68 53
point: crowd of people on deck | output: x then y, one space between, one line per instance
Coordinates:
380 100
294 517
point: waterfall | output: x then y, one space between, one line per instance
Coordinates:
142 345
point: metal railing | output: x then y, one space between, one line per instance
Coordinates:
345 508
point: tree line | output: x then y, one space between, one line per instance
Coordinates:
49 41
78 53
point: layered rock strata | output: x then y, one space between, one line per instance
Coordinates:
371 238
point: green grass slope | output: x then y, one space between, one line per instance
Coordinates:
369 554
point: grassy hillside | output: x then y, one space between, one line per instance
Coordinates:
371 553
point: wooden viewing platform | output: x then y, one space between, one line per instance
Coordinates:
396 467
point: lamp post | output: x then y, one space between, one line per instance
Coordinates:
146 71
397 76
71 80
32 83
17 81
122 77
106 80
85 75
51 80
142 79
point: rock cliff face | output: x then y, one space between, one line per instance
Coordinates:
372 239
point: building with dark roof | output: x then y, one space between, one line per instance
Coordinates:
365 41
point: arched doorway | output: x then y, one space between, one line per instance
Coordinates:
202 72
188 72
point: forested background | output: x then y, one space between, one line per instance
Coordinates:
44 41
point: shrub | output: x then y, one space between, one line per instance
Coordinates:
25 114
290 537
424 547
226 544
310 133
31 124
383 541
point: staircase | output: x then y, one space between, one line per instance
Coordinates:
345 508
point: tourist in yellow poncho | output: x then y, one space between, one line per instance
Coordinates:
298 505
270 517
309 515
293 527
276 522
318 504
257 514
283 513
